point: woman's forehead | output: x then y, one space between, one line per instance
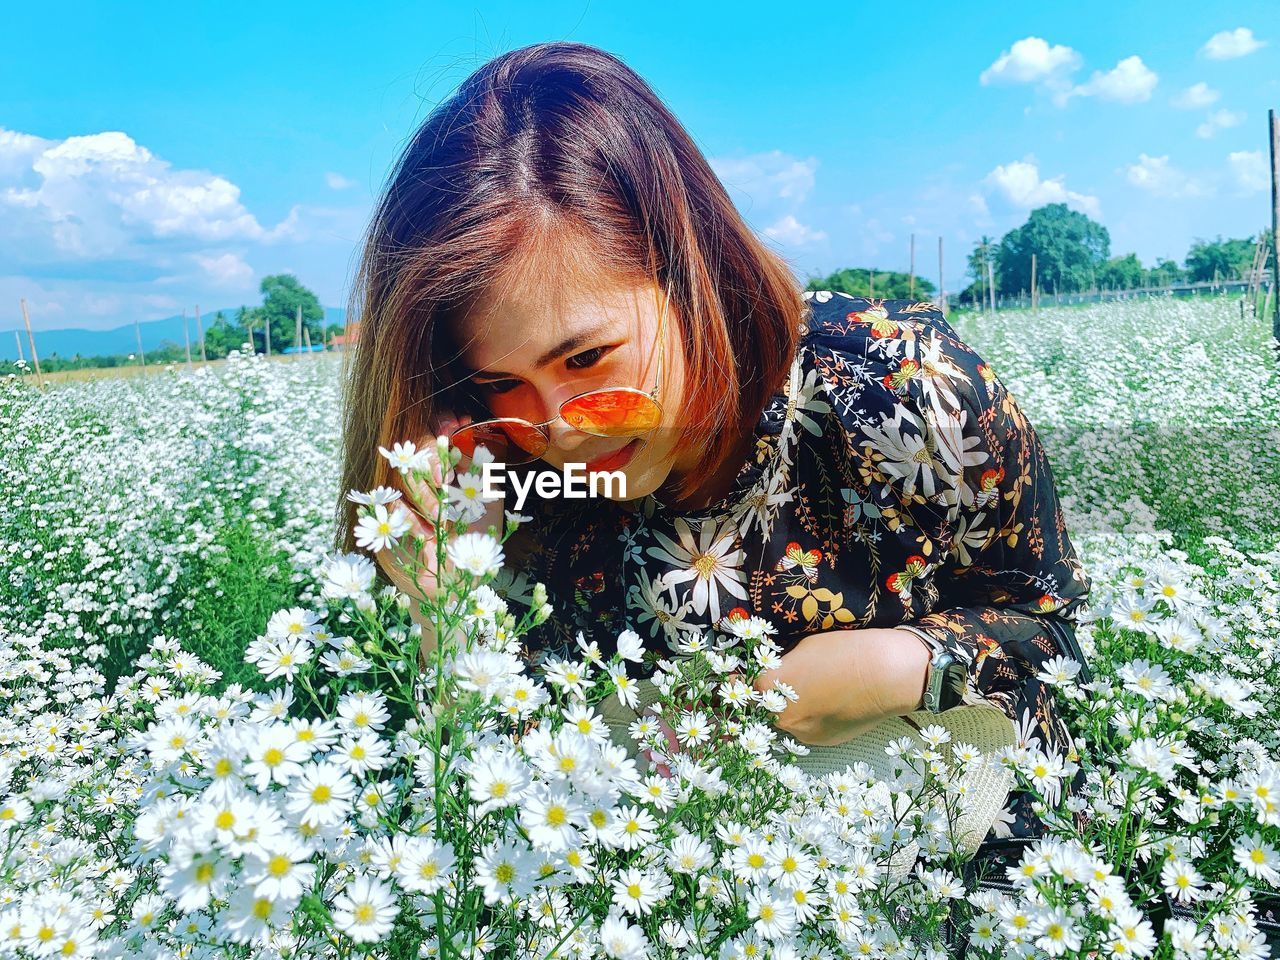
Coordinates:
513 328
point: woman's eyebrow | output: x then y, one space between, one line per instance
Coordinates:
572 342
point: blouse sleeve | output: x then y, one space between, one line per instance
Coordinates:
1008 579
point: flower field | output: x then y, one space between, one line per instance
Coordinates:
218 738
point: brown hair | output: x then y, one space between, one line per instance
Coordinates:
549 148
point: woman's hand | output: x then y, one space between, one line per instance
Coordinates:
848 681
673 746
421 503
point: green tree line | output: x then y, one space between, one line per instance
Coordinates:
282 295
1073 254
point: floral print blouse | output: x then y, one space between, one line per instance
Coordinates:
894 483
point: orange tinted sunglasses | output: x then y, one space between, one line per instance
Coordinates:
605 412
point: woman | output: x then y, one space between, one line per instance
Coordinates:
847 468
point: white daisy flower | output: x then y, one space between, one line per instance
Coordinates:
365 910
476 553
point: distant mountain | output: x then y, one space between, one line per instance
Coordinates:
101 343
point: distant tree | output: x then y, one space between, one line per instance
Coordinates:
1122 273
1223 259
282 295
1165 273
985 249
858 282
1069 249
222 336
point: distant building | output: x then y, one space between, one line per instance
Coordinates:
348 338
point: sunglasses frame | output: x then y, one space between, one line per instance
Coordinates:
540 427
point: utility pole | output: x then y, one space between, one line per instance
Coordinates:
991 284
137 332
18 340
1033 283
911 290
266 327
31 339
942 286
1275 220
186 337
297 334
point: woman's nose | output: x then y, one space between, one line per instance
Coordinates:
562 436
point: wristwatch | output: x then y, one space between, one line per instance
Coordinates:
944 682
945 678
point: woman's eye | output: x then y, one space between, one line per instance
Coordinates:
497 386
587 358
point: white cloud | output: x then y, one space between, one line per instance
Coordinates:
1129 81
1160 178
226 270
1196 97
1030 60
981 212
1230 44
767 176
1218 120
337 181
103 196
791 231
1020 186
1249 170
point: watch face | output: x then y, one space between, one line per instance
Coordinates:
953 680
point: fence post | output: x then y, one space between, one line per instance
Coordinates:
200 336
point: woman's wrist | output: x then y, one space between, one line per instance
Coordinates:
904 666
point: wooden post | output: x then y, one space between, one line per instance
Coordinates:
942 285
186 337
266 327
306 335
297 333
1033 283
200 336
31 339
911 289
1275 220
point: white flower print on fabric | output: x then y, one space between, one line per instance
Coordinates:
709 557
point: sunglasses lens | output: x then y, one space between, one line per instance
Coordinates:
612 413
510 441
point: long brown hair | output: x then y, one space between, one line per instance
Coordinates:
550 148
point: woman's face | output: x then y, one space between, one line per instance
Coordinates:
525 357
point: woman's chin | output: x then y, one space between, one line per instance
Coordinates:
642 480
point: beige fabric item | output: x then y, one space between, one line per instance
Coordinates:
984 726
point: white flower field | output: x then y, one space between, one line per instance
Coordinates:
217 738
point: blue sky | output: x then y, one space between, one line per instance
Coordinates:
153 157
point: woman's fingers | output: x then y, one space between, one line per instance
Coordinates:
673 744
